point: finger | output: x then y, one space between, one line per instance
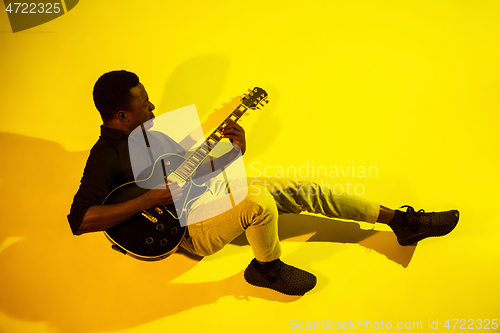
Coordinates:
233 135
177 191
229 136
232 132
233 125
160 187
173 186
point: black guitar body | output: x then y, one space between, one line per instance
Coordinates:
155 233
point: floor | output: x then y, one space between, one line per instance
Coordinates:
395 102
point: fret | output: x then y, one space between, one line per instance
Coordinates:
188 171
183 171
177 175
182 174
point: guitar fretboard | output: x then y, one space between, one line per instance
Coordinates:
189 166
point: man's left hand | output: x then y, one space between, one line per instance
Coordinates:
236 134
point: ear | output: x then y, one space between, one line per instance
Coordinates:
123 116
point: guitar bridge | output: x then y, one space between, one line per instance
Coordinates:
149 216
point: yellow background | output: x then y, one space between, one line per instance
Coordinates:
411 87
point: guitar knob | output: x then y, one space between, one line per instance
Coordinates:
163 242
159 227
149 240
174 230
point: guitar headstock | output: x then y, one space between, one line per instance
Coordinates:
256 98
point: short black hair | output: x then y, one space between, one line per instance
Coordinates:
112 92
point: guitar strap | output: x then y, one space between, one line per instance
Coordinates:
147 144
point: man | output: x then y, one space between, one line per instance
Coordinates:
124 105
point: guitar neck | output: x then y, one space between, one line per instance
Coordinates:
189 166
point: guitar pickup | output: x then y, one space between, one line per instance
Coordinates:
149 216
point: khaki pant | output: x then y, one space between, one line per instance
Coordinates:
257 215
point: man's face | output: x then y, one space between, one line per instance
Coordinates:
141 109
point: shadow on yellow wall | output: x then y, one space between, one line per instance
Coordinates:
78 284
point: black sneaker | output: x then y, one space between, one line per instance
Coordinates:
282 277
415 226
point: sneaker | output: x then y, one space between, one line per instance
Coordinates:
415 226
283 278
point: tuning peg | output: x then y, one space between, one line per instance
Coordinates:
249 90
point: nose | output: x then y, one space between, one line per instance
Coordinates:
151 106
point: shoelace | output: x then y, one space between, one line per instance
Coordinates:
274 273
412 217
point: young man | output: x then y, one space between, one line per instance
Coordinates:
124 105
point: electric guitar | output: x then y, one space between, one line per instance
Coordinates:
156 233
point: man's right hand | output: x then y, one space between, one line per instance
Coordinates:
103 217
164 195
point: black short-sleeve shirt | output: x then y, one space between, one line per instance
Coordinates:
108 166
